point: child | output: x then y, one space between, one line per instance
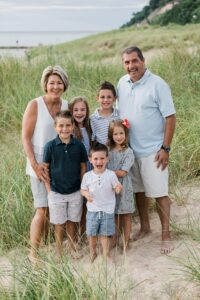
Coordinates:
67 159
79 109
101 118
121 159
99 187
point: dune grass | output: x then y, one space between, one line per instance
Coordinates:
88 62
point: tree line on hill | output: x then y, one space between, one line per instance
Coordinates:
182 12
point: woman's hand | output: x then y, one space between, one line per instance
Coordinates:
42 171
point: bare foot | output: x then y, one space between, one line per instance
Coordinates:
125 248
110 259
141 234
76 255
166 247
93 257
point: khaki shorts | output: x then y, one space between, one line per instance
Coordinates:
39 193
148 178
64 208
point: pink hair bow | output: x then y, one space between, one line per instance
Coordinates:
125 122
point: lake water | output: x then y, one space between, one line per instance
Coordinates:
35 38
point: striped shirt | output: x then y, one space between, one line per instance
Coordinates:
100 125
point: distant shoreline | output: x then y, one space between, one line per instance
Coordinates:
13 51
16 47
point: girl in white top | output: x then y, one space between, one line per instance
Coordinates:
37 130
121 160
80 111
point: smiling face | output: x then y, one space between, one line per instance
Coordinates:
133 65
119 136
55 86
98 159
106 99
79 112
64 129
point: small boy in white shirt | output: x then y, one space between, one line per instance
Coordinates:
99 187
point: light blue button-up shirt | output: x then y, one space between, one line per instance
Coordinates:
145 103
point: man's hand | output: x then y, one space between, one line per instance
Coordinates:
162 158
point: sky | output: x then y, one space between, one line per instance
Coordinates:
66 15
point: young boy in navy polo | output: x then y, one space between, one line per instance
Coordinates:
67 158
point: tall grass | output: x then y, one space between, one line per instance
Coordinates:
66 280
15 199
20 83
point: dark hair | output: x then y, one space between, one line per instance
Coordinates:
64 114
117 123
106 85
97 147
131 49
86 122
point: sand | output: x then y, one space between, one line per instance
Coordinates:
144 273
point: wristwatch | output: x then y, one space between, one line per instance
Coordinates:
166 148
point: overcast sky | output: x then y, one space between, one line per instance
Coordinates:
66 15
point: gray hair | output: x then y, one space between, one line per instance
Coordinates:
56 70
131 49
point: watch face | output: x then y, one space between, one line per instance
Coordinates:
167 149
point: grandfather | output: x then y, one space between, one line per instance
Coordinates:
145 100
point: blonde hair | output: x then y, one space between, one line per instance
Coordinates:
112 125
56 70
86 122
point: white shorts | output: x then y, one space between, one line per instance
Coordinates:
39 193
148 178
64 208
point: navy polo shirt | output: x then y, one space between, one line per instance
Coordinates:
65 164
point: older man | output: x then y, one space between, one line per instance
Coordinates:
145 100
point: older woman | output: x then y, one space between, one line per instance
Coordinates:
37 130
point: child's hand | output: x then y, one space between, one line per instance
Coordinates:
88 196
118 188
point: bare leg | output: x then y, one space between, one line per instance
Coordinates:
93 247
59 233
118 227
163 209
105 243
71 234
37 231
46 227
83 221
143 210
126 229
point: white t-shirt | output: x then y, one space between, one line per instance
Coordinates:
101 187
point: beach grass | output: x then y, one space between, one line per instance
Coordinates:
89 62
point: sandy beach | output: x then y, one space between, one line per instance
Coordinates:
143 273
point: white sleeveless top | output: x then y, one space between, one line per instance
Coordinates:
44 132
